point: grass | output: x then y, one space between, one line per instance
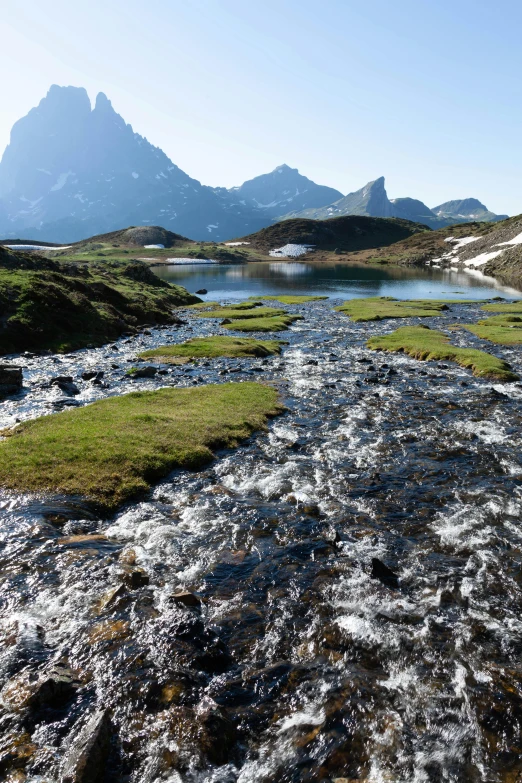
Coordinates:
217 305
425 344
116 448
514 308
212 347
62 307
501 329
290 300
377 308
274 324
242 312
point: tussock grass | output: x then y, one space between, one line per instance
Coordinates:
505 329
116 448
290 299
377 308
425 344
513 307
274 324
212 347
241 312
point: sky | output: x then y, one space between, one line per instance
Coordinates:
427 94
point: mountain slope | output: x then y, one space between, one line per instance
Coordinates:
71 171
283 189
370 201
466 210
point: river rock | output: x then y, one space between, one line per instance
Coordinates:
384 574
85 760
202 291
11 379
145 372
187 598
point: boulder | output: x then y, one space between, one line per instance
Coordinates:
11 379
88 751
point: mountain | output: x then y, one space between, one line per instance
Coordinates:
466 210
372 200
283 189
72 170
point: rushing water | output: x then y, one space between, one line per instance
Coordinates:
336 280
299 666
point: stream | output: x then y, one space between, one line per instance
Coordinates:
298 663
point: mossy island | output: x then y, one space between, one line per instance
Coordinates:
115 449
214 347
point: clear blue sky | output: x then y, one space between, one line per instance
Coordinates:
426 93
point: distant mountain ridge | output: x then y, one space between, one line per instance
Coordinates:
282 189
372 201
72 171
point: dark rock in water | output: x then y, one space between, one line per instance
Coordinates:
218 736
92 375
66 385
66 404
202 291
11 379
135 578
384 574
145 372
85 761
187 598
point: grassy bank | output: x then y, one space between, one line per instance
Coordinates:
291 299
64 306
425 344
116 448
213 347
377 308
501 329
276 323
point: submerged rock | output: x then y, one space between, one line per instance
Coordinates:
384 574
85 760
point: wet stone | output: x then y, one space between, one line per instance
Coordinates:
88 751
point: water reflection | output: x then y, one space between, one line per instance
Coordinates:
335 280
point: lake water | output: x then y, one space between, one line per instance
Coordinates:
336 280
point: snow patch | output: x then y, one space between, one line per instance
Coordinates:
290 251
154 247
62 179
236 244
515 241
482 259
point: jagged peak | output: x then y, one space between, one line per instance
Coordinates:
103 103
58 95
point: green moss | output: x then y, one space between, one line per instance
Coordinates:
422 343
116 448
274 324
377 308
501 329
238 312
290 300
203 306
47 304
211 347
513 307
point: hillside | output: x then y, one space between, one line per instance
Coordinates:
344 233
48 304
